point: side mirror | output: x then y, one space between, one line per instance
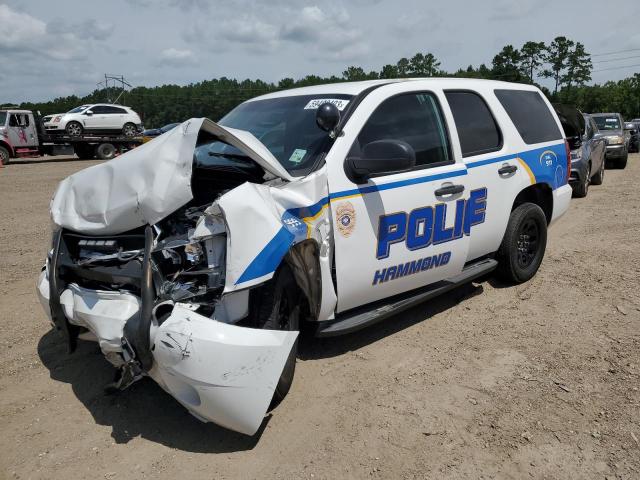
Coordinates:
382 156
88 112
327 116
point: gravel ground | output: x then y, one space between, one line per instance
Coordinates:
534 381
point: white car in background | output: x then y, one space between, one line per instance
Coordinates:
96 118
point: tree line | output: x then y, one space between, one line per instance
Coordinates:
565 62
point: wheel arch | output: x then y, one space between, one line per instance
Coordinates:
303 259
538 193
6 145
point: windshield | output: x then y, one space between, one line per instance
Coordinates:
610 122
286 126
3 118
78 109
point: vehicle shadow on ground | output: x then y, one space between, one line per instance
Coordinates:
143 410
313 348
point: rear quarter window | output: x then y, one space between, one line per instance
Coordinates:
530 115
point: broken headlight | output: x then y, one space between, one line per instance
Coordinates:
191 268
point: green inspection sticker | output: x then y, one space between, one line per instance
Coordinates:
297 155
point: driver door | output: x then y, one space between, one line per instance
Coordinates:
21 131
399 231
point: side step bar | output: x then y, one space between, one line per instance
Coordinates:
362 317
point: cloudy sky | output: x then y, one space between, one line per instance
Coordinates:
53 48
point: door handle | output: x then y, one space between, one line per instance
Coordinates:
507 169
449 190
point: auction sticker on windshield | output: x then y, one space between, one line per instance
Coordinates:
338 102
297 155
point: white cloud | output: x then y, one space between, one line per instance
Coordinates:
24 28
323 32
177 57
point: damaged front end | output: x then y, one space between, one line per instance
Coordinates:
155 256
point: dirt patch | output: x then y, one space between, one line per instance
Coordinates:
535 381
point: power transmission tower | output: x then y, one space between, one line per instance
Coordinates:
116 83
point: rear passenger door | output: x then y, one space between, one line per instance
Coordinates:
115 117
490 166
399 231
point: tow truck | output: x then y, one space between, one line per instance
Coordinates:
22 134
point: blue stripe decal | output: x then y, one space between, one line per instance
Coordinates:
270 257
398 184
547 163
480 163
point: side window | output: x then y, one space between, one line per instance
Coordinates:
477 129
414 118
114 110
98 109
589 129
530 114
19 120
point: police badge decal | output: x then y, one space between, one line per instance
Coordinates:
346 218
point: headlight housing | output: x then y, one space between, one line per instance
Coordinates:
615 140
576 155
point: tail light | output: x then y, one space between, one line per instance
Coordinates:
568 150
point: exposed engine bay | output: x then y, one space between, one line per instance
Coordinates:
155 257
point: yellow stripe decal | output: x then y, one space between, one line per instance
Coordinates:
532 177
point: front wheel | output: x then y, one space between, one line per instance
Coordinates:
74 129
5 158
279 308
598 178
523 245
581 190
622 163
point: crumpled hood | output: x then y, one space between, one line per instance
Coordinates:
146 184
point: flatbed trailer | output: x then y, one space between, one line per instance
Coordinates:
87 146
22 134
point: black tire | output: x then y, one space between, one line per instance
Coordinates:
278 307
85 152
622 163
106 151
598 178
129 130
5 156
523 245
582 189
74 129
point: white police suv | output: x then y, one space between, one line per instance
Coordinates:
194 258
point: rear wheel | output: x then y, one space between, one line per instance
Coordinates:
74 129
106 151
129 130
598 178
278 308
5 158
523 245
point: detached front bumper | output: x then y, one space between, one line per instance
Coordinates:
221 373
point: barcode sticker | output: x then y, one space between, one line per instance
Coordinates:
338 102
